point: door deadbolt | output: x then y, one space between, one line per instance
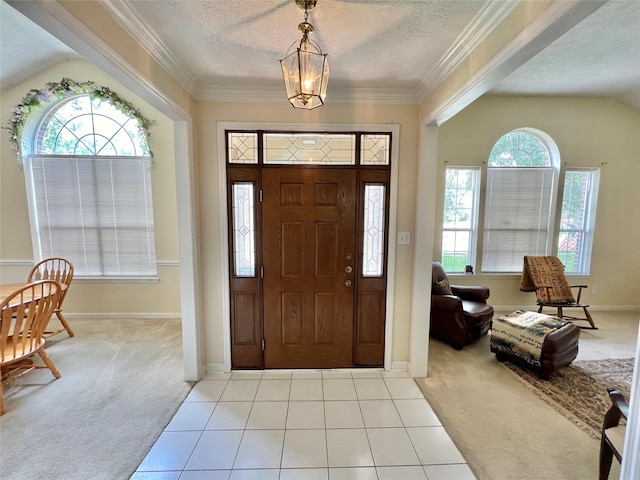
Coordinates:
348 256
348 269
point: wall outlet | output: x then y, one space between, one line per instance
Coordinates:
594 290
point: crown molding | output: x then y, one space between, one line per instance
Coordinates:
482 24
553 23
274 94
146 37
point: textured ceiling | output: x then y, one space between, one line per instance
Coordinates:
401 46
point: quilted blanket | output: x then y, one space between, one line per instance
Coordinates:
522 333
545 276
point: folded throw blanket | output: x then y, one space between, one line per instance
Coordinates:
522 333
545 276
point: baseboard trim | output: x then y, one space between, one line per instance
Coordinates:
133 316
214 367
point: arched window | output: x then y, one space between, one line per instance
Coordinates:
89 184
520 199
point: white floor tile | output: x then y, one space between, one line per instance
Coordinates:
434 445
215 450
260 449
403 388
348 448
170 452
307 375
273 390
404 473
305 415
341 373
304 474
351 473
304 389
240 391
268 416
191 416
416 412
366 373
345 424
304 449
343 414
380 413
175 475
391 446
262 474
216 376
229 416
371 389
449 472
246 375
209 391
206 475
277 375
339 389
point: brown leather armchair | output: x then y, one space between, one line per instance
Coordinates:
460 317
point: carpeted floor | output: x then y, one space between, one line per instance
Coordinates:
122 382
503 430
579 392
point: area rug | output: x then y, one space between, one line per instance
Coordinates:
579 392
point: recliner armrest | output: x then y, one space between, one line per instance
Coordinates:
471 292
446 302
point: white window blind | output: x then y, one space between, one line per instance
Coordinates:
97 212
517 216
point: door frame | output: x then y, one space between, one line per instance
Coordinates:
225 307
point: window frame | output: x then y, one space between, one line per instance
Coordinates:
473 228
588 230
32 145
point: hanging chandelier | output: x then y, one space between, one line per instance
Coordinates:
305 68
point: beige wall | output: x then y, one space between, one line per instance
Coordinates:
16 255
588 133
209 113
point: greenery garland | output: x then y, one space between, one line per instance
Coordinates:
68 88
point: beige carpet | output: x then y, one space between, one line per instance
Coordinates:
506 432
122 381
579 391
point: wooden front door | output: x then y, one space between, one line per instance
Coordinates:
308 227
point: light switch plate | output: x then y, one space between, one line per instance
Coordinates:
404 238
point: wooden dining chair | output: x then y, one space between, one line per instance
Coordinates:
24 315
60 270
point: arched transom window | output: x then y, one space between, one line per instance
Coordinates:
89 182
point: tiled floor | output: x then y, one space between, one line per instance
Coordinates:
305 425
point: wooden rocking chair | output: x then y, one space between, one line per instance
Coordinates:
545 276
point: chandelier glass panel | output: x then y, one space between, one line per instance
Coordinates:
305 68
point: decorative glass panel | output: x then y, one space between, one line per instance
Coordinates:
244 245
243 147
375 149
373 237
85 126
309 148
519 149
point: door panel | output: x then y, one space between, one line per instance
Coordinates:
309 225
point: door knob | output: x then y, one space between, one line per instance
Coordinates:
347 283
